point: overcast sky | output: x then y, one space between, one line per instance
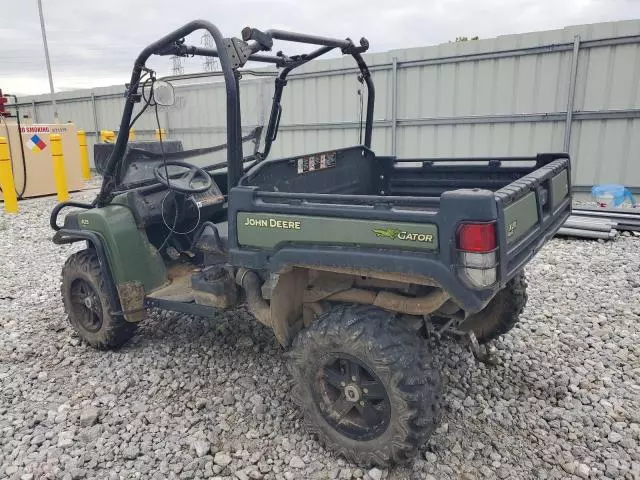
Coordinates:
94 43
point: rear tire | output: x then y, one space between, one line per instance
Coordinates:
502 312
86 302
367 384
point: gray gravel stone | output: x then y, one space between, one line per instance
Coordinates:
89 416
77 473
582 470
296 462
65 439
227 398
375 474
241 475
614 437
201 447
569 467
221 458
130 452
430 457
244 342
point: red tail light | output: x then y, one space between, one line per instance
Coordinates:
3 100
477 237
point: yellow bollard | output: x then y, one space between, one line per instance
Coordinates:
161 134
84 155
6 179
132 135
59 174
106 136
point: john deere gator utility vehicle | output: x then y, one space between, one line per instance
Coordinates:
354 260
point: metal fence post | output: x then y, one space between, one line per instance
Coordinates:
572 90
96 126
394 103
262 113
35 112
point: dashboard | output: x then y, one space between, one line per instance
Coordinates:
148 203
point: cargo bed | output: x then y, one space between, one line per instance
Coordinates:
348 208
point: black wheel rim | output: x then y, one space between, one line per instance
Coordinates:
351 398
86 305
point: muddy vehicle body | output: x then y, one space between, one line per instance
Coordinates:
354 260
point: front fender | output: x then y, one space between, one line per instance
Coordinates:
65 236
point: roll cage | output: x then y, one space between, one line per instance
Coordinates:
233 53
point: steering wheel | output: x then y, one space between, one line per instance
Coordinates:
183 177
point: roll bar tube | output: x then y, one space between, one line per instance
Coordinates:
311 39
371 97
170 45
212 52
276 108
234 150
281 82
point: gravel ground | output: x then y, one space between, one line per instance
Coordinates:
200 398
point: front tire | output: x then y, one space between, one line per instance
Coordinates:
367 384
86 302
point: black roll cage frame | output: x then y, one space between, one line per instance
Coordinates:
233 54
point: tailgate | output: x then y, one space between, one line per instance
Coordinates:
530 212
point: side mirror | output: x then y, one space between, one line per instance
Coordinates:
163 93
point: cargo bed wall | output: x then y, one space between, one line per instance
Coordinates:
357 171
348 171
531 210
433 179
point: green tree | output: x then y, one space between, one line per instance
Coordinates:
465 39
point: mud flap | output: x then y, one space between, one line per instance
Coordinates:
132 300
286 305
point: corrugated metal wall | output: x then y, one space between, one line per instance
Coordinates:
511 95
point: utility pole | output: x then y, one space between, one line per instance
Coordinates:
46 57
177 69
209 64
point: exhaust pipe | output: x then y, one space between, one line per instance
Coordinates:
259 307
393 301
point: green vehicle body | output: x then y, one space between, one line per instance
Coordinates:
275 236
560 188
263 230
522 215
132 259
